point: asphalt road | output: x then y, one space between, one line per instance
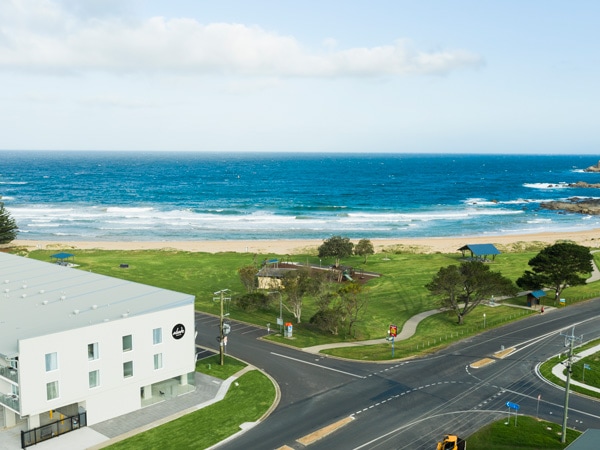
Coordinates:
410 404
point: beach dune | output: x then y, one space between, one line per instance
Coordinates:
589 238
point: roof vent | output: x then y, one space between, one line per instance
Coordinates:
24 286
24 295
75 311
94 306
62 297
45 302
7 290
42 291
6 281
125 315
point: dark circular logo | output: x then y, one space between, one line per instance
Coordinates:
178 331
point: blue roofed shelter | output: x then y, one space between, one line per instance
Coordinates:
480 252
62 258
533 298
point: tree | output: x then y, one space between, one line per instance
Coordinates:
463 287
296 284
337 247
364 248
556 267
8 226
353 305
254 300
248 277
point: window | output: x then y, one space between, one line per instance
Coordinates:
127 343
158 361
94 378
127 369
93 351
51 361
157 336
52 390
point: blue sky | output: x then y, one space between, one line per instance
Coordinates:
311 76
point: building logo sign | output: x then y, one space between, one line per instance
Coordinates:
178 331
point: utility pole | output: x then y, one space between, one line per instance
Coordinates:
222 334
569 342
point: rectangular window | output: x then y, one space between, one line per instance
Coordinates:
158 361
94 378
157 336
51 361
127 369
127 343
52 390
93 351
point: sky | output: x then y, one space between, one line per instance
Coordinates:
419 76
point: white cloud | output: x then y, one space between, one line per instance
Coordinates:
37 35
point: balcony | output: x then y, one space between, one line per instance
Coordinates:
9 373
10 400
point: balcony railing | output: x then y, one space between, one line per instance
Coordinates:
10 400
10 373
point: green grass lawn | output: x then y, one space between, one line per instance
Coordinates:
393 298
528 434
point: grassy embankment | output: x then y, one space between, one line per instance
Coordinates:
252 396
528 434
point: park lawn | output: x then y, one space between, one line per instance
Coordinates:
250 398
393 298
433 333
529 433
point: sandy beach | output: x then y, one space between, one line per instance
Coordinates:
590 238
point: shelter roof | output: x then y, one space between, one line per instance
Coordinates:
62 255
481 249
538 294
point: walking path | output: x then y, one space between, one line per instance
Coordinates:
559 370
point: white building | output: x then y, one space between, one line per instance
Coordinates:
73 341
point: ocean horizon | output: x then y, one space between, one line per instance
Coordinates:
184 196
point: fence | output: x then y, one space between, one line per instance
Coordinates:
54 429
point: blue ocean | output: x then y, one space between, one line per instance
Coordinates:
167 196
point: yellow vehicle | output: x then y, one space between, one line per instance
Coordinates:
452 442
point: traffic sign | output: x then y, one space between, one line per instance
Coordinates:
393 330
513 405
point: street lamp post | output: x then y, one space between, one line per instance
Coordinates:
483 320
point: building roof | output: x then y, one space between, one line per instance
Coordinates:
586 441
39 298
481 249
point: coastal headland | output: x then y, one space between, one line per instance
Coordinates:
589 238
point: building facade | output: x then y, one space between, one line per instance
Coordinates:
72 341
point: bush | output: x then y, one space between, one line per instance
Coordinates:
254 301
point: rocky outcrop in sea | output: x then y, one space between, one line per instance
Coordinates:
595 168
589 206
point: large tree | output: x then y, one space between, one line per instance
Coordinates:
556 267
296 285
364 248
8 226
462 288
337 247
